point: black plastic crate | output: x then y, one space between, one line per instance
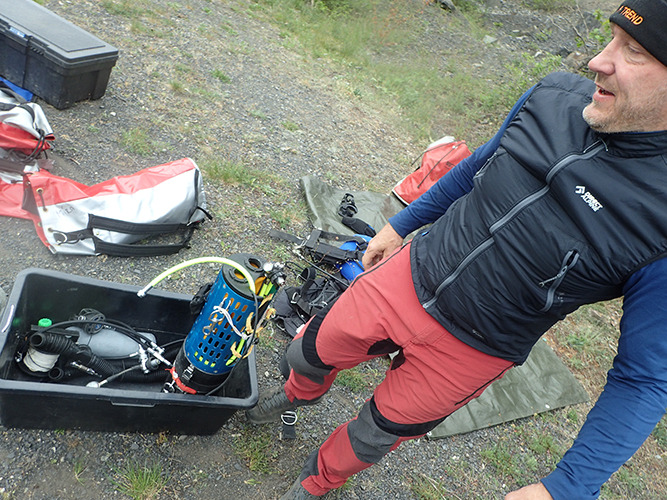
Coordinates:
51 57
27 402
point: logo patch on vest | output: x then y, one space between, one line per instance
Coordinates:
590 200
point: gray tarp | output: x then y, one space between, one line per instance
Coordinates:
541 384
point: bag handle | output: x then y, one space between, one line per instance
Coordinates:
96 222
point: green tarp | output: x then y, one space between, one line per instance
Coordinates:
542 383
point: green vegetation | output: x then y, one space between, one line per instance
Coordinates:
353 379
258 447
234 172
367 41
597 38
290 125
550 5
78 469
427 488
140 482
219 75
139 141
660 433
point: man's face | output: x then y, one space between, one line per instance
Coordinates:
631 93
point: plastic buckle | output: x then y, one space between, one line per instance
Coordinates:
347 207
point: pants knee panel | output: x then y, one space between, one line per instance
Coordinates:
298 362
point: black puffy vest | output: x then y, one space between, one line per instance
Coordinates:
559 217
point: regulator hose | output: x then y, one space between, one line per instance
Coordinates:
59 344
131 369
200 260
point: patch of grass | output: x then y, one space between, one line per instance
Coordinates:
182 68
228 28
237 173
585 341
219 75
550 5
177 86
233 172
140 482
258 448
126 8
596 39
139 141
522 73
143 19
506 462
368 41
282 217
78 469
660 433
630 480
258 114
353 379
572 416
427 488
290 125
544 444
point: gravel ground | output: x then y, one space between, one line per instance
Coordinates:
339 139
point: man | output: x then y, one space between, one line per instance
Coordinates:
566 205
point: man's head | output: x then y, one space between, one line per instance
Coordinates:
631 93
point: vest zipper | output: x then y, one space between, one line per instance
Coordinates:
568 263
591 151
480 172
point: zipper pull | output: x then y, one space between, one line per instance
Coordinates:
570 259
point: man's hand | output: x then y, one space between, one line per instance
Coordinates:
530 492
381 246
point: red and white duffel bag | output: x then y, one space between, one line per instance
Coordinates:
438 159
113 216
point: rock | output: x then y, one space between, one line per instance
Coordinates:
575 60
447 4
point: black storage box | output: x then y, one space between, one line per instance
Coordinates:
26 402
51 57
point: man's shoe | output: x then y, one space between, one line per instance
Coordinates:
298 492
273 404
270 406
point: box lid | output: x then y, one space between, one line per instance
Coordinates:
61 40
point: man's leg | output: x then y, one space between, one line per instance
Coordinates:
310 377
437 375
433 375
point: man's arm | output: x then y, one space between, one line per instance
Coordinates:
634 398
454 184
435 202
429 206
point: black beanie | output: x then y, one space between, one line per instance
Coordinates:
646 22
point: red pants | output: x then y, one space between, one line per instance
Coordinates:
433 375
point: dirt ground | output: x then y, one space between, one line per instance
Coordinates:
162 89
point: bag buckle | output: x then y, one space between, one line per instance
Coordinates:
61 237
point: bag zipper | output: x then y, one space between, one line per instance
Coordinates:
594 149
449 152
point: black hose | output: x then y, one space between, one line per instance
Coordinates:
59 344
63 373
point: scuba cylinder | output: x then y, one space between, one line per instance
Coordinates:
352 268
108 343
224 329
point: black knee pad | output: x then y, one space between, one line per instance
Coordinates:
297 361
